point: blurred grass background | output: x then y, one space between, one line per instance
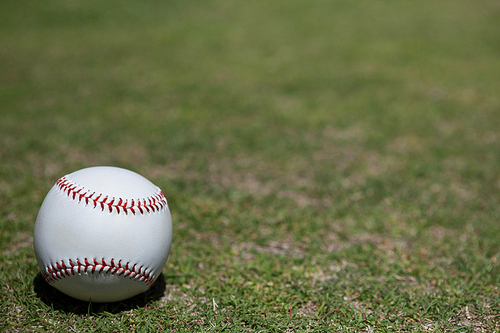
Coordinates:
328 164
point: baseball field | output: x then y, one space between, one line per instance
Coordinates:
330 166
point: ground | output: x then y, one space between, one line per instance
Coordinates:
329 166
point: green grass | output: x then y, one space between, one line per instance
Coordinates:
329 165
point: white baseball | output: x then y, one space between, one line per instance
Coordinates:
103 234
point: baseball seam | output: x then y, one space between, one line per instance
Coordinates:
61 270
149 204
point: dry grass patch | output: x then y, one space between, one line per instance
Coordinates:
20 240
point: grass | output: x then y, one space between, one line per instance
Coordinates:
330 165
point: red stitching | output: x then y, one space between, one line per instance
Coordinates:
58 271
150 204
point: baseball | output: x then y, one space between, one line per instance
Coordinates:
103 234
